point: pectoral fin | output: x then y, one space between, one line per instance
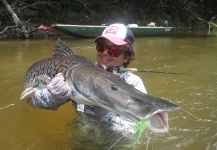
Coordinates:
44 78
27 92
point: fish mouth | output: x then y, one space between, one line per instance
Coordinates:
158 123
158 119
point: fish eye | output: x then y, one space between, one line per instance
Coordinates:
114 87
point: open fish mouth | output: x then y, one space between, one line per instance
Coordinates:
158 123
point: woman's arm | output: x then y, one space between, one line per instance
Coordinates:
53 96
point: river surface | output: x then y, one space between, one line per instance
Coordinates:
193 127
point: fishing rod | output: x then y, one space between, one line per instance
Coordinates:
121 69
152 71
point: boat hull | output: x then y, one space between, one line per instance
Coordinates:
94 31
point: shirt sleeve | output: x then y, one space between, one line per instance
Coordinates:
134 80
41 98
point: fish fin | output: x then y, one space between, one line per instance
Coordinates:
62 49
44 78
27 92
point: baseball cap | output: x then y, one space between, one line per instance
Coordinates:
118 34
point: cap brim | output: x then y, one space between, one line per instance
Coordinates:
111 38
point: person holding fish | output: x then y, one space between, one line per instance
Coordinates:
115 49
119 100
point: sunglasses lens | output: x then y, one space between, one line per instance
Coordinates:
100 48
114 52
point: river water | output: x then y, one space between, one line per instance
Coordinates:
192 127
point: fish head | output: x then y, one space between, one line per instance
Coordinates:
94 86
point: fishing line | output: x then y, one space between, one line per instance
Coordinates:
118 140
163 79
140 126
9 105
190 114
149 138
147 141
153 71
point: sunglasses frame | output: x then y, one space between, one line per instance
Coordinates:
112 50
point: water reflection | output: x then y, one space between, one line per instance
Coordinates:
193 127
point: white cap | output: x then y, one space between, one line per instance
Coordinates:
118 34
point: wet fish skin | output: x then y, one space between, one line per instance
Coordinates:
106 90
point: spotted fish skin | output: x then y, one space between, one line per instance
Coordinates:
51 66
64 58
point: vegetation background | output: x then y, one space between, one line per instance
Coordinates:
181 14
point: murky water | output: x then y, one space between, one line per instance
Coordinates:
193 127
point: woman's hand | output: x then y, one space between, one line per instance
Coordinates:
59 89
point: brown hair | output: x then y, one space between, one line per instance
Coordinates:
129 52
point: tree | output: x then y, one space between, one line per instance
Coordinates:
18 24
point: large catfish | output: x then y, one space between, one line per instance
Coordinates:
92 85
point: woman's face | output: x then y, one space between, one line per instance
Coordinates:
105 59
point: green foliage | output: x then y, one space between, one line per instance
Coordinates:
178 13
2 12
16 6
73 15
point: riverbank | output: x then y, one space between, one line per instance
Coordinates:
38 33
